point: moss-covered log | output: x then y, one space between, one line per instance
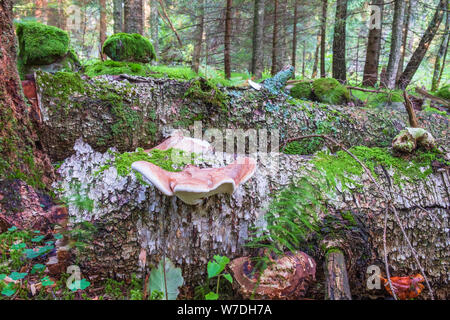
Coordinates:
130 217
111 111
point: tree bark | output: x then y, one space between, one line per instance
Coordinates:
102 36
200 37
370 77
323 38
316 57
339 40
20 157
396 42
133 16
337 286
408 21
294 36
118 15
41 11
441 55
258 34
275 39
154 25
422 48
228 30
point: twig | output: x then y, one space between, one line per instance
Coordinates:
411 113
386 263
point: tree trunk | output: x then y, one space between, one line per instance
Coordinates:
370 77
339 39
294 36
41 11
118 15
228 30
154 25
102 37
304 59
200 38
336 276
396 43
133 16
258 34
20 157
323 38
422 48
316 57
408 21
275 39
441 55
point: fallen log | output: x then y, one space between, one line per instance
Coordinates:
130 217
428 95
111 111
337 286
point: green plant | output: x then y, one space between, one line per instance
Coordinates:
208 92
329 90
302 90
215 270
110 67
165 279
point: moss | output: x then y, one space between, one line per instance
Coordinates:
171 160
329 90
348 216
110 67
129 47
204 90
382 98
436 111
444 92
302 90
63 84
342 166
40 44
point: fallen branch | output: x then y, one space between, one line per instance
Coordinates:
428 95
336 276
167 20
411 113
365 90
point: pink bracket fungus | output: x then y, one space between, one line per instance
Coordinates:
180 142
193 184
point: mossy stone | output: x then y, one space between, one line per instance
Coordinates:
302 90
40 44
329 90
444 92
129 47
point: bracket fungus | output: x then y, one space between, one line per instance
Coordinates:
178 141
287 277
193 184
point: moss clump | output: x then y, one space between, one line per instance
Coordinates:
129 47
172 160
63 84
206 91
302 90
444 92
116 68
329 90
40 44
342 166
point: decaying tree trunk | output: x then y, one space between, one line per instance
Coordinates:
336 276
127 114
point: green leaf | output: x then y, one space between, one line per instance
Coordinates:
8 291
228 277
37 268
217 266
18 246
79 285
46 281
13 228
2 276
212 296
37 239
18 275
58 236
174 280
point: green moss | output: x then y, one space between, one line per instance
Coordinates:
63 84
310 146
329 90
348 216
342 166
382 98
444 92
204 90
436 111
129 47
110 67
171 160
179 73
302 90
40 44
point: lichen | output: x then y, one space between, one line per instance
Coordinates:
129 47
